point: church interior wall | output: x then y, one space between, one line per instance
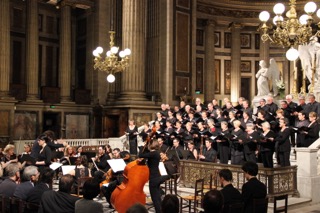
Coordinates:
176 60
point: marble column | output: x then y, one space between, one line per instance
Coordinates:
134 38
5 48
264 51
209 73
235 62
32 52
65 52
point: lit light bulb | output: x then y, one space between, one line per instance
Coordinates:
318 13
310 7
114 50
303 19
264 16
122 54
277 18
127 51
111 78
292 54
95 53
99 50
278 8
108 53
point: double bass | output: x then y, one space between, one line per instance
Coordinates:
130 191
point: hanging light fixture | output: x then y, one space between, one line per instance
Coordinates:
291 31
114 61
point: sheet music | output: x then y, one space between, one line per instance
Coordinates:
55 165
162 169
117 164
67 169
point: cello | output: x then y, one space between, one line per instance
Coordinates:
130 191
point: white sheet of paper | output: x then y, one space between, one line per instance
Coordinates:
67 169
117 164
162 169
55 165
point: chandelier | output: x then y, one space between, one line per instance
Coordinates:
113 62
290 32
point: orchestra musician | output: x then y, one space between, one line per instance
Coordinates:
114 179
162 147
192 150
155 178
9 156
68 152
208 154
101 164
177 147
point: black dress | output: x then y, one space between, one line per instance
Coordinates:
132 139
44 155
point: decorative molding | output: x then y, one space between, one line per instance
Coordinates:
216 11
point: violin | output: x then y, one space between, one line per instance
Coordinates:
107 176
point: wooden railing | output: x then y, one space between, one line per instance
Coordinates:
279 181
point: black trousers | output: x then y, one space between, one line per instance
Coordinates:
236 157
250 156
267 159
155 192
224 152
284 158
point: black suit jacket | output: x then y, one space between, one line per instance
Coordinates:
231 195
56 201
34 195
253 189
22 190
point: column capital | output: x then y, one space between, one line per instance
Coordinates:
235 25
210 22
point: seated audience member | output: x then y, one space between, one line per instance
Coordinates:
46 179
230 194
137 208
170 204
253 188
59 201
30 176
90 190
8 186
213 201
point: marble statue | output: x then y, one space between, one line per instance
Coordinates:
315 56
274 75
262 79
305 58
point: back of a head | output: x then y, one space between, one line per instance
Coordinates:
213 201
225 174
65 183
137 208
90 189
12 169
29 171
251 168
46 175
170 204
